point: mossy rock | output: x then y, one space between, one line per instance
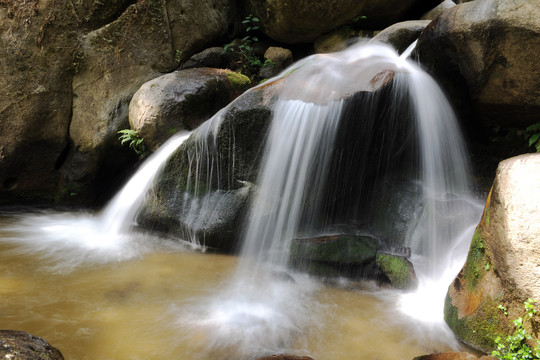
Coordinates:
337 249
398 269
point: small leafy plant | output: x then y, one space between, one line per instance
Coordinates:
516 347
135 141
533 133
245 48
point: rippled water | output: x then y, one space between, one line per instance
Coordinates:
163 301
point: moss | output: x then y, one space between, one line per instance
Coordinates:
479 329
397 269
476 260
336 249
238 82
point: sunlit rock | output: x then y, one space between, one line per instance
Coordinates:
181 100
502 265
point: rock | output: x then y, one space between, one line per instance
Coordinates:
335 255
213 57
398 269
38 39
438 10
501 267
454 356
278 59
339 39
233 151
484 52
402 34
341 249
284 357
69 71
182 100
303 21
20 345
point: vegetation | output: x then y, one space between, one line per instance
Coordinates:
517 346
135 141
245 49
533 134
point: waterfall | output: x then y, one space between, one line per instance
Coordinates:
119 214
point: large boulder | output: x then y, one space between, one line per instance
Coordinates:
37 42
148 39
486 51
502 264
303 21
19 345
205 189
69 70
182 100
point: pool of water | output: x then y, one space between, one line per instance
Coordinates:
158 303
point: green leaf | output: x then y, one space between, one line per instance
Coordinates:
534 139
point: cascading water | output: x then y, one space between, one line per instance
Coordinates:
77 238
344 125
320 94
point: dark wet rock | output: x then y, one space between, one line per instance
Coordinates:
181 101
213 57
213 171
284 357
20 345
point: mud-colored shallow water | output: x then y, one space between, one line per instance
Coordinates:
138 308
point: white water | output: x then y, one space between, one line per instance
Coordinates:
84 238
264 308
295 164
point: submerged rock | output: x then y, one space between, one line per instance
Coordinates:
452 355
502 264
20 345
284 357
182 100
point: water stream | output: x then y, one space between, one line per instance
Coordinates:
96 288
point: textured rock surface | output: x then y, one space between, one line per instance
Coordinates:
302 21
488 50
182 100
69 70
502 266
19 345
402 34
438 10
398 269
233 152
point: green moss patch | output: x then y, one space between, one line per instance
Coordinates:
398 270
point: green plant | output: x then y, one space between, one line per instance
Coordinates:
533 133
245 49
177 56
516 346
135 141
